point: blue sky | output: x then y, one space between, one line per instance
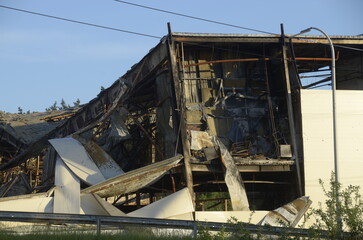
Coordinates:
43 60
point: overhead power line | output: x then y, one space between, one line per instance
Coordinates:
79 22
153 36
192 17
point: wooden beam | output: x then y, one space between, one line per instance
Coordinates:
180 102
291 113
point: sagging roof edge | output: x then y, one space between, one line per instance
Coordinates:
109 94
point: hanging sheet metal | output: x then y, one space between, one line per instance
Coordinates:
173 205
118 126
77 159
233 179
134 180
108 167
118 130
287 215
67 189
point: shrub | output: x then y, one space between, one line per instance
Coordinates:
345 214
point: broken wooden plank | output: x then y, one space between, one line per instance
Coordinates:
134 180
179 100
290 112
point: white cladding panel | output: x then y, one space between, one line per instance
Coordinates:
317 123
27 203
77 159
175 204
67 189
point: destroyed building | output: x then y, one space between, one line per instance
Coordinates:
231 111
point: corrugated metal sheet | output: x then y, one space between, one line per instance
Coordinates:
133 180
287 215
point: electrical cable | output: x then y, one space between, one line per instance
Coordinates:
192 17
79 22
157 37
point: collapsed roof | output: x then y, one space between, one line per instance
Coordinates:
226 102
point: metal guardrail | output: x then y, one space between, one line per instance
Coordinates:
99 221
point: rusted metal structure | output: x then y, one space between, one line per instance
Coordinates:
229 103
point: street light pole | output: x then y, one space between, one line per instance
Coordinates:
333 79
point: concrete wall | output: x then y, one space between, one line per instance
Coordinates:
316 108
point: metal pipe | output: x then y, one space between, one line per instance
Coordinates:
256 59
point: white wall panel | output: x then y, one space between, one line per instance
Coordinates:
317 123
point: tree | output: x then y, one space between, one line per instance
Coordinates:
64 105
77 103
20 110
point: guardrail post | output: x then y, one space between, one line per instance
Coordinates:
98 221
195 229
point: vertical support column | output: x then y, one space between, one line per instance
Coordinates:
180 105
290 112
